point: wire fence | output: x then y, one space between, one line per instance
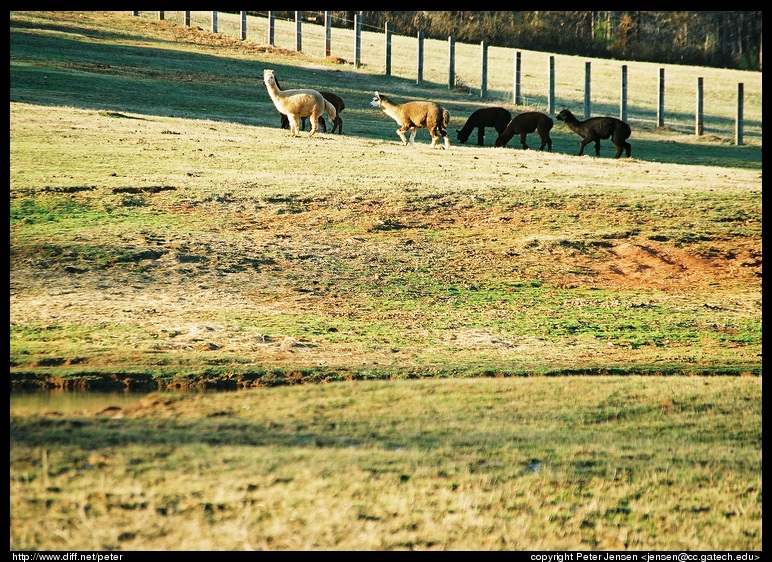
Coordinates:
693 100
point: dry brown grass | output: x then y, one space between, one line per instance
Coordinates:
576 463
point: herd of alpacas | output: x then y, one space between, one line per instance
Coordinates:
298 105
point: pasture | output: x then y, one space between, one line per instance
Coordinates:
166 232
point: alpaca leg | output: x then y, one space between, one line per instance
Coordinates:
480 136
314 124
294 121
624 146
621 143
597 147
413 131
522 141
402 136
447 142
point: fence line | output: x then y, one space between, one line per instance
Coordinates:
454 81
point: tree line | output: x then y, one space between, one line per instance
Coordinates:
720 39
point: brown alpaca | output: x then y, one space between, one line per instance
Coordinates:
525 123
596 128
414 115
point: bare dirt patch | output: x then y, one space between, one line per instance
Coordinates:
652 266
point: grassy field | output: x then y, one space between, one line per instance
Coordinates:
166 233
538 463
171 229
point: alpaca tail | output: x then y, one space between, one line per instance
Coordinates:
445 118
330 110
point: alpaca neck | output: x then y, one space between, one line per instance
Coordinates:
572 120
390 109
386 105
273 90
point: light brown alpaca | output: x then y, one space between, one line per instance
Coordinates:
416 114
298 103
337 123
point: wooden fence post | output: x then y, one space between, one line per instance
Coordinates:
388 48
587 85
661 99
357 41
484 69
298 32
551 93
698 123
327 32
420 73
623 95
451 62
517 98
738 125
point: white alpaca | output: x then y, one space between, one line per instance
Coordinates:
298 103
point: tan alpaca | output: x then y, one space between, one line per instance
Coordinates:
298 103
414 115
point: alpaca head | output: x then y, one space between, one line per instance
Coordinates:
462 135
268 76
376 100
564 114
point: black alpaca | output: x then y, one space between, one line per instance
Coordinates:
596 128
496 117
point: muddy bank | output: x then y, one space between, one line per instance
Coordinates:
146 382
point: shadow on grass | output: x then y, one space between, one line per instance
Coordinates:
57 70
90 433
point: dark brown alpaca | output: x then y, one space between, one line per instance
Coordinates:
336 101
596 128
496 117
525 123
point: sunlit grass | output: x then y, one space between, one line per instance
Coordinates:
614 463
164 231
511 252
